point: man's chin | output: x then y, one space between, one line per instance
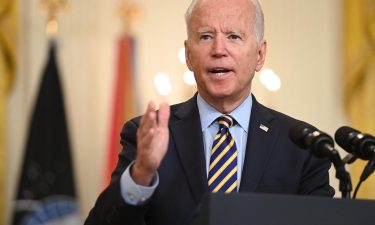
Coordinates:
220 94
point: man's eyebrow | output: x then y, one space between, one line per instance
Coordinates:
205 30
235 32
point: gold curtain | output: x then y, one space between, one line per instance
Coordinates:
359 67
8 37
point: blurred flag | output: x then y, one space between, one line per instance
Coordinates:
359 67
123 107
46 193
8 37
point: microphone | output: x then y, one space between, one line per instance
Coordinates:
321 145
361 145
355 142
307 136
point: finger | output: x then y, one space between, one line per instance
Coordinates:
163 115
148 120
150 108
145 139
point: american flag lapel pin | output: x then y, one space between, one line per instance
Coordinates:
263 128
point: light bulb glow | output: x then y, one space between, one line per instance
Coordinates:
189 78
181 55
162 84
270 80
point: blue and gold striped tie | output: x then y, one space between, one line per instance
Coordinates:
222 174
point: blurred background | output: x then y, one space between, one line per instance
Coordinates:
115 56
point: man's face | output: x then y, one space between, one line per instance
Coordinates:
222 50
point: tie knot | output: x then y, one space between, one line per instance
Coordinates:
225 121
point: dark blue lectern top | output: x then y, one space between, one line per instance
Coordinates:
269 209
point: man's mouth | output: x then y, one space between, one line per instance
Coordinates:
219 71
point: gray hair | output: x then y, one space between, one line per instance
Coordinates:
259 18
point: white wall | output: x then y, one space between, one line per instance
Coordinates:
304 40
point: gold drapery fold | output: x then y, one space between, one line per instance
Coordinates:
8 38
359 67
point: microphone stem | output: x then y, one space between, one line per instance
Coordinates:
345 185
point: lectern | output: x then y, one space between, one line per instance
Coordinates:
270 209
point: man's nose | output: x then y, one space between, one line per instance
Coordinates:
219 48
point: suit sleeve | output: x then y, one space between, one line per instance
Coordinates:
110 208
315 178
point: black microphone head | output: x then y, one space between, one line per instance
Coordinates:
344 138
299 131
309 137
353 141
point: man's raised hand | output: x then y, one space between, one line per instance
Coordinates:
152 143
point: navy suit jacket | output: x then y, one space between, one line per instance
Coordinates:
273 164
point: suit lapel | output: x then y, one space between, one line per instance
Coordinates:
260 145
187 136
186 133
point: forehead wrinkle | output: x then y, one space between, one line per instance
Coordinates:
228 21
203 11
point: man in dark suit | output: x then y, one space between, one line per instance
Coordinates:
167 162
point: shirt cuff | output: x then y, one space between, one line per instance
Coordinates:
133 193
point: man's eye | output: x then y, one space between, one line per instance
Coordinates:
234 37
205 37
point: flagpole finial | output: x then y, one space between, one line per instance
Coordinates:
52 7
129 13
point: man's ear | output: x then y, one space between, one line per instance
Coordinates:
187 55
262 49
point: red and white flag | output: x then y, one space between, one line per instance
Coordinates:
123 107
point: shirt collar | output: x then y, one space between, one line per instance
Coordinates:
208 114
